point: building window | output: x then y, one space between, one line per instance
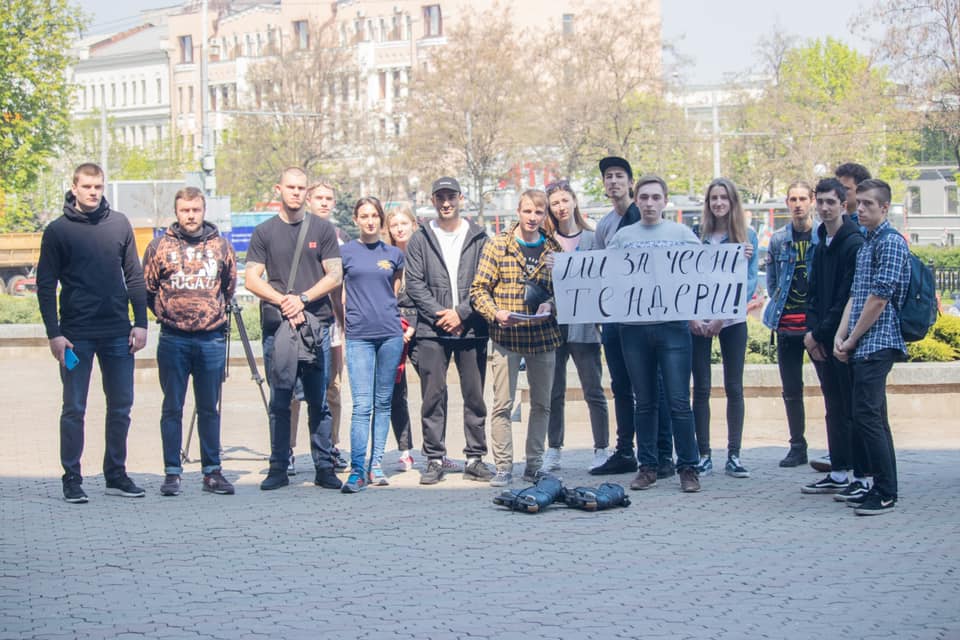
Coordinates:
913 197
159 91
345 89
124 85
432 21
396 84
143 91
190 98
383 85
213 98
568 24
225 96
395 28
301 34
180 99
951 198
159 133
186 49
396 127
113 94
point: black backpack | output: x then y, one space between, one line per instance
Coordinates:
919 310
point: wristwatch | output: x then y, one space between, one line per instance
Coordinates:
304 299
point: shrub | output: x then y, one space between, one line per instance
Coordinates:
251 320
947 329
759 349
931 350
939 256
19 310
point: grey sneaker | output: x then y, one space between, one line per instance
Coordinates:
73 492
433 473
451 466
171 485
734 469
551 459
477 471
502 478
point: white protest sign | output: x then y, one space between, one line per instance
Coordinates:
683 282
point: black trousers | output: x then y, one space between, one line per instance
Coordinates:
790 352
870 420
431 359
836 383
400 415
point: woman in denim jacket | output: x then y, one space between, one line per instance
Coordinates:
723 222
581 341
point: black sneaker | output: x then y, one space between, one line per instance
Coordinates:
875 505
327 478
123 486
275 479
855 502
795 458
666 469
477 471
433 473
171 485
214 482
339 462
826 485
619 462
451 466
533 477
73 492
854 490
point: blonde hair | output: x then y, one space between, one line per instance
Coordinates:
736 221
403 209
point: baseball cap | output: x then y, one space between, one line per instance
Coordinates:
615 161
445 182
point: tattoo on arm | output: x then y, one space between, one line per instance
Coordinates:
334 268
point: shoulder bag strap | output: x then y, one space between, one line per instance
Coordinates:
296 252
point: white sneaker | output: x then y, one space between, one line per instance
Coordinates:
551 459
599 457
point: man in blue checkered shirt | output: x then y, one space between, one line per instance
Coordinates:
869 338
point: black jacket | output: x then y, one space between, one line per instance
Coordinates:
428 282
831 277
94 258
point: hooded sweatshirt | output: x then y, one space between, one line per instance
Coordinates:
190 279
93 256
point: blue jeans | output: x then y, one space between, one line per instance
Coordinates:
116 370
372 365
179 355
320 422
645 348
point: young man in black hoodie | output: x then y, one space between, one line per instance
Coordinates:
834 260
191 275
90 251
442 259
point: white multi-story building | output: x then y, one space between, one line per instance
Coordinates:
128 74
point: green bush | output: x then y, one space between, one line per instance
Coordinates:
759 349
251 320
939 256
19 310
931 350
947 329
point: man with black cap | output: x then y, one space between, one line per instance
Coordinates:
442 259
617 178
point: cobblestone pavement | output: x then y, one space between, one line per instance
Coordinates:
742 559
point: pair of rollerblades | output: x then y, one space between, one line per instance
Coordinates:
550 489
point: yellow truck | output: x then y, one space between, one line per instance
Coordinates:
19 253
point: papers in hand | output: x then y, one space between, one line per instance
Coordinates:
529 316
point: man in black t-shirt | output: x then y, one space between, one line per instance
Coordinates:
295 318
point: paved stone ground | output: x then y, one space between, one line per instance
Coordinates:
742 559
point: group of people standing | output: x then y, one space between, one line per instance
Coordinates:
445 290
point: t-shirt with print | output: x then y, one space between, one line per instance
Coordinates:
531 256
794 317
273 244
368 275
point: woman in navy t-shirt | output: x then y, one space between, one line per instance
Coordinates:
372 272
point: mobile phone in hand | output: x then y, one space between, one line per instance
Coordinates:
70 359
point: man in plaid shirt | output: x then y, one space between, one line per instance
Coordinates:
514 277
869 338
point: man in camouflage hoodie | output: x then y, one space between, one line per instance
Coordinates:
191 275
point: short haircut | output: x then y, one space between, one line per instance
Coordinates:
800 184
320 185
294 170
832 184
650 179
87 169
858 172
881 187
375 202
189 193
536 196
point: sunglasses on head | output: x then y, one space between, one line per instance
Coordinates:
558 185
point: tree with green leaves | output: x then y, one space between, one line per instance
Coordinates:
921 43
35 37
828 104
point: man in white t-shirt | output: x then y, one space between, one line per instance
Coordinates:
442 258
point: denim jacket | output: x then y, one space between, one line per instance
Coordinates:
781 260
753 266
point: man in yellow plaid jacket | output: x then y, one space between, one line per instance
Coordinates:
513 291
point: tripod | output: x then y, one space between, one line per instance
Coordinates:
233 311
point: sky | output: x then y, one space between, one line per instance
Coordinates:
719 37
